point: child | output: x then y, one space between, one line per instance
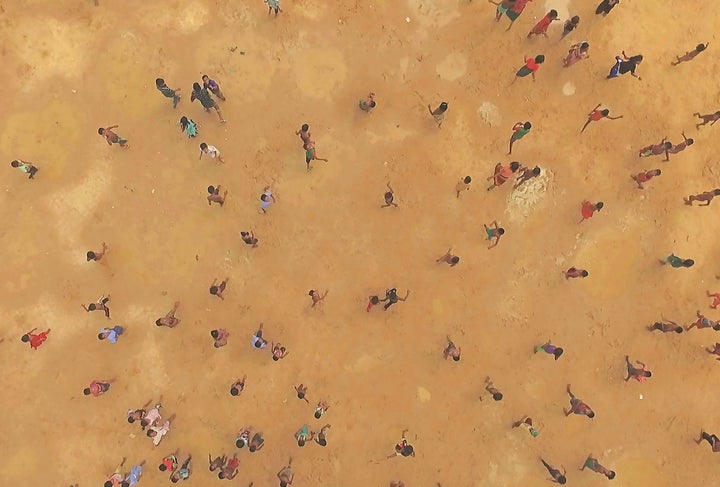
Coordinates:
716 299
690 55
588 209
266 199
217 290
439 113
25 167
526 175
550 349
531 67
706 196
450 259
494 233
644 177
502 174
368 103
96 255
372 301
304 134
656 149
681 146
200 93
210 150
577 52
463 185
167 91
212 86
311 155
677 262
111 137
249 238
527 423
710 117
502 7
606 6
573 273
515 10
389 197
596 115
520 130
569 26
214 195
624 65
273 5
542 26
188 126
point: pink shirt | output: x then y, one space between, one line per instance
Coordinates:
152 416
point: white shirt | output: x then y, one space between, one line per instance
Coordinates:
160 432
213 151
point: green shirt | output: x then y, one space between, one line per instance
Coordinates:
675 261
520 133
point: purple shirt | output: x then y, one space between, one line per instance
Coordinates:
212 84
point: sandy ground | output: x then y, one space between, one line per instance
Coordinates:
70 67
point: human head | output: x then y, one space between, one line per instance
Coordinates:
305 127
536 171
455 259
108 484
252 448
501 231
239 443
605 112
527 125
311 292
301 441
599 205
467 180
700 47
562 480
203 145
575 20
497 396
205 78
716 327
213 290
211 189
301 395
558 352
688 263
283 483
276 358
584 273
657 172
636 59
101 336
157 322
539 59
679 329
151 433
318 414
373 300
174 479
514 166
584 45
196 86
101 131
591 414
162 467
456 358
234 391
90 256
25 338
15 163
86 391
647 373
263 197
214 333
221 475
131 420
443 106
690 142
610 475
159 82
553 14
716 192
668 145
92 306
373 104
184 120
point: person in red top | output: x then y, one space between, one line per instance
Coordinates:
716 299
542 26
98 387
596 115
373 300
230 470
588 209
531 67
644 177
35 340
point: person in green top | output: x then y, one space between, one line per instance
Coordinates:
200 93
593 464
25 167
167 91
676 261
303 435
520 130
182 473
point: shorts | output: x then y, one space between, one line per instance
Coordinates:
615 70
524 71
501 10
490 233
120 141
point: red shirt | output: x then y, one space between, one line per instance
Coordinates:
530 63
543 25
96 388
587 210
37 340
644 177
233 463
596 115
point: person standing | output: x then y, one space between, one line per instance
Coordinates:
542 26
439 113
633 372
462 185
502 173
220 336
96 255
587 210
677 262
550 349
644 177
188 127
98 387
25 167
555 474
201 94
449 258
492 390
593 464
368 103
679 147
703 322
35 340
167 91
217 290
111 334
451 350
526 175
273 5
214 195
286 475
577 406
569 26
169 319
624 65
707 119
515 10
532 65
520 130
605 7
111 137
494 232
690 55
713 440
596 115
707 197
391 297
577 52
212 86
210 150
311 155
317 296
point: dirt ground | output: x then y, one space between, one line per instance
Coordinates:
70 67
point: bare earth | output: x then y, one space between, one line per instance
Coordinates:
70 67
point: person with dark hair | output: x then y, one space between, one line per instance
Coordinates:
710 117
273 5
249 238
527 423
188 126
644 177
169 319
594 465
214 195
169 463
256 443
715 350
219 289
555 474
311 155
666 326
494 232
242 439
137 414
713 440
633 372
550 349
133 477
542 26
321 409
573 273
26 167
99 305
286 475
302 392
321 438
267 198
520 130
703 322
202 94
230 469
238 386
151 417
212 86
676 261
98 387
167 91
278 351
624 65
403 448
182 473
157 433
525 175
606 6
391 297
502 173
210 150
218 462
532 65
587 210
96 255
389 197
439 113
577 406
368 103
111 334
716 299
304 134
492 390
569 26
707 197
317 296
449 258
679 147
116 478
111 137
451 350
577 52
515 10
372 301
597 114
502 7
462 185
690 55
257 340
35 340
303 435
220 336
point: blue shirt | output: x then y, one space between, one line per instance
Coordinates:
134 476
113 333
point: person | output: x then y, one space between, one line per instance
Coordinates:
448 258
220 336
321 438
403 448
703 322
169 462
368 103
713 440
257 340
494 392
451 350
137 414
644 177
593 464
210 150
573 273
577 406
152 417
320 409
525 175
587 210
266 199
303 435
133 477
666 326
243 438
402 484
389 197
716 299
286 475
679 147
167 91
214 195
169 319
98 387
212 86
494 233
158 432
605 7
502 7
624 65
690 55
218 290
715 350
569 26
311 155
304 134
116 478
502 173
520 130
238 386
249 238
515 10
182 473
391 297
676 261
372 301
707 197
302 392
577 52
96 255
230 469
462 185
273 5
542 26
532 65
278 351
555 474
527 423
710 118
35 340
188 126
439 113
218 462
596 115
99 305
256 443
26 167
550 349
201 94
633 372
316 296
111 334
111 137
